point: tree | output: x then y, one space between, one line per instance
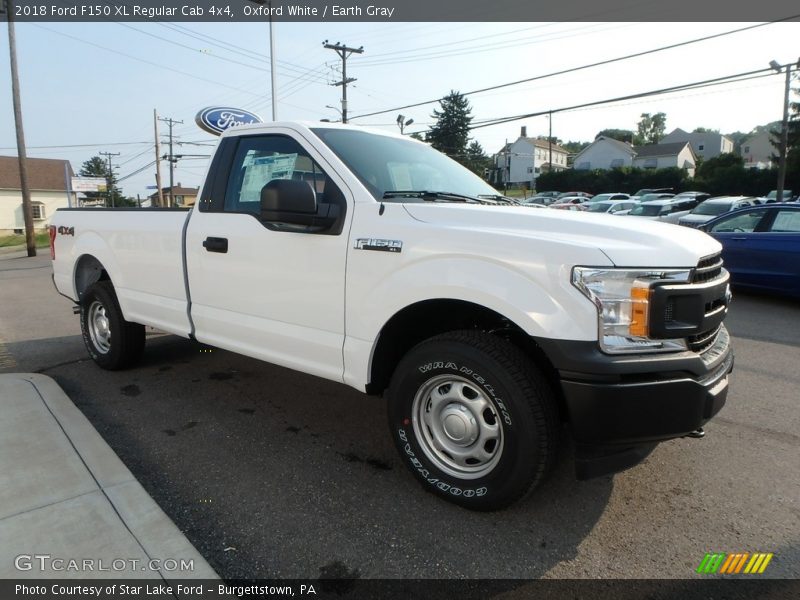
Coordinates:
650 128
705 130
623 135
450 133
476 159
98 167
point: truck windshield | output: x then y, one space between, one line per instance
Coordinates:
388 164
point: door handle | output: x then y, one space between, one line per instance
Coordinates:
216 244
739 239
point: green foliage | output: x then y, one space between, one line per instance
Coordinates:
574 147
97 167
650 129
623 135
476 159
723 175
450 133
627 179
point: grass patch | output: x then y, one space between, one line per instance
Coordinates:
17 239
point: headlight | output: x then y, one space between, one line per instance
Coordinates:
622 298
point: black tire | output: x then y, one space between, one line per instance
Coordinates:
112 342
458 384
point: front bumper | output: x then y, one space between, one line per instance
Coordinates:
619 408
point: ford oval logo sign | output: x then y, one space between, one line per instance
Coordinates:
216 119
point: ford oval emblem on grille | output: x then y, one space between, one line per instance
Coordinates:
216 119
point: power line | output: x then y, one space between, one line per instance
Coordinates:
587 66
688 86
147 62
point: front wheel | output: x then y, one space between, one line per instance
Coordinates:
112 342
473 419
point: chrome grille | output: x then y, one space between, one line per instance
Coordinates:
707 269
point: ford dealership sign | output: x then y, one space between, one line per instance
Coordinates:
216 119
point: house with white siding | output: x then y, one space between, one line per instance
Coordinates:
706 144
662 156
522 161
47 181
604 153
757 151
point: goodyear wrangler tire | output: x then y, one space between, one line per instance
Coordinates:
112 342
473 419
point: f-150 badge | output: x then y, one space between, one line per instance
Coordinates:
380 245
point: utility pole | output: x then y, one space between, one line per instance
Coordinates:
27 208
271 57
171 122
158 160
108 155
784 129
344 52
550 142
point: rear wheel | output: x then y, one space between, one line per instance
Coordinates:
112 342
473 419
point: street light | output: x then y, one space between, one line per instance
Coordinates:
271 57
402 123
784 128
337 110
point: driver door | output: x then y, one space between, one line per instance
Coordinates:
259 289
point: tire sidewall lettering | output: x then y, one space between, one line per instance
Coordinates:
474 376
435 481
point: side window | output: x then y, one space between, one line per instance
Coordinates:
261 159
745 222
786 221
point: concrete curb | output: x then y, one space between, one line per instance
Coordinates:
64 493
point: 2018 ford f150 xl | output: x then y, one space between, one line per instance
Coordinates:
373 260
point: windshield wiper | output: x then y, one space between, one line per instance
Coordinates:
499 199
430 196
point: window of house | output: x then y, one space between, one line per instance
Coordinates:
651 163
701 147
747 149
38 211
617 163
530 169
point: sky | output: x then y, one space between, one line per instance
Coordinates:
92 87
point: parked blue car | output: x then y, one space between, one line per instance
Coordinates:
761 247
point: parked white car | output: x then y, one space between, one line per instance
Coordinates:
612 207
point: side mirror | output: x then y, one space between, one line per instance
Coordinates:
295 202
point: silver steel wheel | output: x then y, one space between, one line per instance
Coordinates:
99 328
457 426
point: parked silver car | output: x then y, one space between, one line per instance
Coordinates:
713 207
668 210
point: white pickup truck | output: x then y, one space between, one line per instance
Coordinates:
373 260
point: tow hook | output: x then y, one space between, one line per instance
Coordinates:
696 434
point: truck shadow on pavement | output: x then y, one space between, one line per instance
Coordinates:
271 473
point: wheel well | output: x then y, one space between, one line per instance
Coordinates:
89 270
426 319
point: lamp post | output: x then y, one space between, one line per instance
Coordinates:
402 123
271 57
337 110
784 128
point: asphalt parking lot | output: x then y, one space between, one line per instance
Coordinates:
272 473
